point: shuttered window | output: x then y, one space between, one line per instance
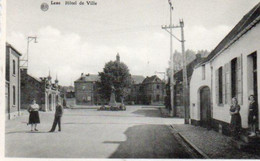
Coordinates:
219 85
239 82
233 81
228 83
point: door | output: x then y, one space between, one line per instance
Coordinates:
255 83
205 110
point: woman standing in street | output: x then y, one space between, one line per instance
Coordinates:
235 124
252 115
34 118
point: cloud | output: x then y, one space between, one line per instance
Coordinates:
199 37
67 55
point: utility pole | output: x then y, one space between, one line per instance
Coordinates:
184 75
25 59
172 111
184 70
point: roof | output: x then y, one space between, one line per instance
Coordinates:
190 67
151 79
137 79
37 79
244 23
9 45
88 78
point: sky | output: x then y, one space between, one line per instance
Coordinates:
81 39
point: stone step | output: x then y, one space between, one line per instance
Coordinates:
249 140
238 144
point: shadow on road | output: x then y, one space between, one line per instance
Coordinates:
148 112
149 141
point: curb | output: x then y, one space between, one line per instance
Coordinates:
194 147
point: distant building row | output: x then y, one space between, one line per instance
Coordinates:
149 90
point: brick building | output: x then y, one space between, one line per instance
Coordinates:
86 90
12 82
153 91
135 89
42 90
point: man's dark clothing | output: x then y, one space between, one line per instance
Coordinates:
57 119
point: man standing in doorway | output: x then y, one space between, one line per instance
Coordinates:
57 118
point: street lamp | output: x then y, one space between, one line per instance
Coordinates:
26 57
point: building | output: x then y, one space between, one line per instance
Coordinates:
230 70
135 89
153 91
178 87
86 90
41 89
12 82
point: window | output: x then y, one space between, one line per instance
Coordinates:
14 100
220 85
234 77
203 72
158 86
13 67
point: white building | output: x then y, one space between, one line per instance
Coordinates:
229 71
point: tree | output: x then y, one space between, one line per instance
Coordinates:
117 74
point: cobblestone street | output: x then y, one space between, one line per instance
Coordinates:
138 132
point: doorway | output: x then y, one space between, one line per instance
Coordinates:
252 78
205 109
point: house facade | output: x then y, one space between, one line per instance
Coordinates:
231 70
86 90
153 91
136 95
178 87
12 82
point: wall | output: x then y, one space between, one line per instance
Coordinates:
196 83
84 93
14 81
246 45
31 89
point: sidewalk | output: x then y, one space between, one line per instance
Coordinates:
213 144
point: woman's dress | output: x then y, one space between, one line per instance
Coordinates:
235 124
34 114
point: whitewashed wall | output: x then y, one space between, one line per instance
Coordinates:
196 84
244 46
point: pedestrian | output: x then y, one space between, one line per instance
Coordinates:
252 115
34 118
57 117
235 124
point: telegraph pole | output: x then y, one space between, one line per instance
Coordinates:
184 75
184 70
172 111
25 59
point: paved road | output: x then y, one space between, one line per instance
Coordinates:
139 132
